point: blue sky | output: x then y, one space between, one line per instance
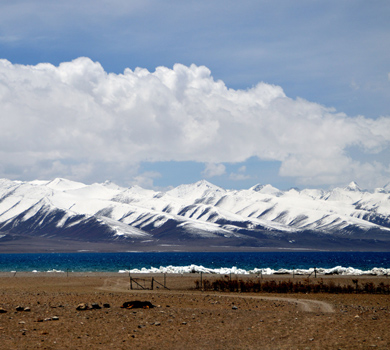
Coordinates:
319 119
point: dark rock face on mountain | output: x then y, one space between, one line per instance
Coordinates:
63 215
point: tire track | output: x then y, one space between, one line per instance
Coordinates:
306 305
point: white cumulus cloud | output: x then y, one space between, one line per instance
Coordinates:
212 170
78 121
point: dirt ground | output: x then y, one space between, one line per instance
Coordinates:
184 318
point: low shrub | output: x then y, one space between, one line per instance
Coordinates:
305 286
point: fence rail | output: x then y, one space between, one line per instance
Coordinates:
148 284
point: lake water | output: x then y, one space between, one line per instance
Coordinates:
260 262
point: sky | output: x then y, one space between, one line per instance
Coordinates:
162 93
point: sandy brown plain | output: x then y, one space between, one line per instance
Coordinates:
184 318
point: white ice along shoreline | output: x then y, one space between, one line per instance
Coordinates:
338 270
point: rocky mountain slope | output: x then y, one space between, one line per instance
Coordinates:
53 215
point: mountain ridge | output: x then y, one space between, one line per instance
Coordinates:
193 216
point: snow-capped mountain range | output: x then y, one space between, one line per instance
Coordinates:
190 217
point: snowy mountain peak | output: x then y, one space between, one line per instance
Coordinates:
208 188
380 190
267 189
353 186
60 184
257 188
206 184
196 190
111 185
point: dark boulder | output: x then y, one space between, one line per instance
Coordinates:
136 304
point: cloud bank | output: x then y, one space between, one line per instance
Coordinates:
78 121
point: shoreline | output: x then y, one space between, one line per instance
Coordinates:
191 276
236 273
